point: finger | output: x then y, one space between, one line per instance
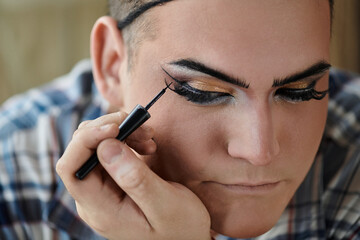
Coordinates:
143 133
86 139
83 145
116 117
84 123
79 150
143 148
143 186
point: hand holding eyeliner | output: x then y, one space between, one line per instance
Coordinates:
134 120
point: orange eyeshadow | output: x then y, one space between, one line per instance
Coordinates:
209 85
298 85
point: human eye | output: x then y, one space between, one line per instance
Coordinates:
293 94
199 92
199 96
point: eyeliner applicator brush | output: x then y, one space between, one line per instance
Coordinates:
147 107
134 120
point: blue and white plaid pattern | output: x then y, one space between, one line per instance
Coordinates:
36 127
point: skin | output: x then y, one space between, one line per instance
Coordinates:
230 167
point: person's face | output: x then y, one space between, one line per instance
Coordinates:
242 151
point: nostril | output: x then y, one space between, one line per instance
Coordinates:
255 152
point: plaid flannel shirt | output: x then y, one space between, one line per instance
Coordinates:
36 127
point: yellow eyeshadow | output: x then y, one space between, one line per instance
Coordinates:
208 86
298 85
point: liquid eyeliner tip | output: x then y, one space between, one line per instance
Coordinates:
167 85
147 107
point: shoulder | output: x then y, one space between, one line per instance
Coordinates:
341 143
34 129
343 123
42 120
62 96
341 165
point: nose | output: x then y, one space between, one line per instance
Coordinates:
254 137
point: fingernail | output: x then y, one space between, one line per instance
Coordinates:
111 152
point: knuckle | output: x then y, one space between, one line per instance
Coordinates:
76 133
65 175
80 131
80 211
60 167
122 115
83 124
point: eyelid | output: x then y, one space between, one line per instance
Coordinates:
206 87
201 83
295 95
304 83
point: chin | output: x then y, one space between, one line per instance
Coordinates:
244 232
247 221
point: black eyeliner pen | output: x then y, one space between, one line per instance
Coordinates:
134 120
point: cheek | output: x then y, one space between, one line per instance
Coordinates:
186 138
301 134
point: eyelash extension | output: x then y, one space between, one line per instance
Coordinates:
300 95
195 95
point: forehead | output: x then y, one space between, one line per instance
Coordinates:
266 17
251 33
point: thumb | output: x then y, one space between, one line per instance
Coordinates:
134 177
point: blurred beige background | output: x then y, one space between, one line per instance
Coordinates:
43 39
345 45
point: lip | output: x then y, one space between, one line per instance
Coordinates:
249 188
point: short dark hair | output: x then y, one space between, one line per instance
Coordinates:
130 15
132 20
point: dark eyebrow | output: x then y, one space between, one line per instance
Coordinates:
316 69
199 67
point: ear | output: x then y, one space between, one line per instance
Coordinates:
108 55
